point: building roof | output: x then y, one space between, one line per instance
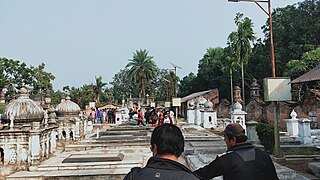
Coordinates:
312 75
194 95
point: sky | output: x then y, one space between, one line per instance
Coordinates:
80 39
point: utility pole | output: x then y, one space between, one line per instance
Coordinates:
175 85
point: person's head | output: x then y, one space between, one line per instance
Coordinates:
234 134
167 139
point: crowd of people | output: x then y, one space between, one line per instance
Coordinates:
152 116
102 115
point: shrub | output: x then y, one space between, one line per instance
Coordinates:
2 106
265 133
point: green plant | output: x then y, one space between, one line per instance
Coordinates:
2 106
266 135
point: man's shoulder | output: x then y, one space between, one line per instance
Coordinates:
134 174
225 153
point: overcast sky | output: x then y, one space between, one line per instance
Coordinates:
81 39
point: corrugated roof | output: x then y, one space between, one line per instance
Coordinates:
312 75
191 96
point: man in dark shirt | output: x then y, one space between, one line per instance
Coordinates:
242 161
167 144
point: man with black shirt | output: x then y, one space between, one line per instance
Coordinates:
167 144
242 161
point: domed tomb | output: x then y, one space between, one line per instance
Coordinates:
208 105
24 109
237 106
67 107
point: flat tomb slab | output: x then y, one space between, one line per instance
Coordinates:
82 158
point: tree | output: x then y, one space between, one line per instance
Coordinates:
228 65
295 30
123 86
296 68
15 74
142 69
42 79
209 70
97 88
187 85
240 41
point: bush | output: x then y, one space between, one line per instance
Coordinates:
2 106
265 133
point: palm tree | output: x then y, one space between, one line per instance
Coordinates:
97 88
240 43
142 69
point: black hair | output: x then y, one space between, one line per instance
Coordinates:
239 139
169 140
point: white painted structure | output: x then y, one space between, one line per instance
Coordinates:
69 120
238 116
25 139
292 124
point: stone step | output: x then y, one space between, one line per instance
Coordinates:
116 174
109 148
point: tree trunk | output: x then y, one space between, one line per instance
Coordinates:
242 77
231 87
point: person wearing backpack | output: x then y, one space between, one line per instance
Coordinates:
167 144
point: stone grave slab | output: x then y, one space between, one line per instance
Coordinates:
80 158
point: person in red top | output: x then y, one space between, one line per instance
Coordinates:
140 118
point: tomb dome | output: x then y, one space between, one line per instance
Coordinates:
237 106
202 100
67 107
208 104
24 109
192 103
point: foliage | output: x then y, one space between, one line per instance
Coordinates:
2 106
295 31
97 88
187 85
15 74
123 86
209 71
240 43
42 79
142 70
265 133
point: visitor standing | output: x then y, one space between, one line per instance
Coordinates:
167 144
140 118
242 161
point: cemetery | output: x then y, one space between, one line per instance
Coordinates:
41 142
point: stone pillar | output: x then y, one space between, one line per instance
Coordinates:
252 132
304 131
292 124
53 142
2 98
118 117
77 129
85 126
89 127
190 116
197 119
35 149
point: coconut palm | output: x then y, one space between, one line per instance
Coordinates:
142 69
97 88
240 42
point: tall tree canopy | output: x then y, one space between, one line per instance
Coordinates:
15 74
98 88
142 69
240 42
